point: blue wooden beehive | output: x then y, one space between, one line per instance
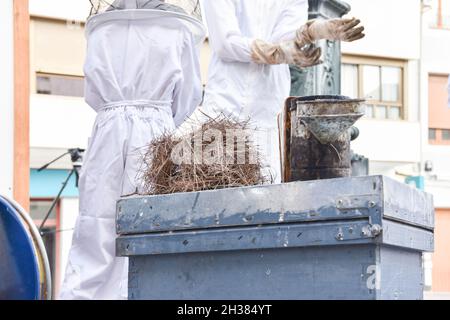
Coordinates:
349 238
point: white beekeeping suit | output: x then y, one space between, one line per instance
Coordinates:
236 85
143 79
253 41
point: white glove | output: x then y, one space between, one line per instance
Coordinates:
333 29
285 53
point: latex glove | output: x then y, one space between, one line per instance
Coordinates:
285 53
333 29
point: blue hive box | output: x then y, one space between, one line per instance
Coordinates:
350 238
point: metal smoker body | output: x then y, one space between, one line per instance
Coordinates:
316 137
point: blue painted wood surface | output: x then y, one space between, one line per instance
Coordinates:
350 238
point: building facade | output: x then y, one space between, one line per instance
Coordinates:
401 68
14 100
435 70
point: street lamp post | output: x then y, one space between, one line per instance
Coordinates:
324 79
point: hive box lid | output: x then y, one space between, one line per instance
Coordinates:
374 197
359 210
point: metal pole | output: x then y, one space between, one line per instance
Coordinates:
56 200
324 79
53 161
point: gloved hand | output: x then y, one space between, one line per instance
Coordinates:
288 52
333 29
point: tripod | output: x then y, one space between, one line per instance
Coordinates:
76 156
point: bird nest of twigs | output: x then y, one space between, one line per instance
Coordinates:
220 153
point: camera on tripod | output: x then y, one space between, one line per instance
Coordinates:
76 156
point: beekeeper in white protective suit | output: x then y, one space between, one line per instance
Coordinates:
143 79
253 41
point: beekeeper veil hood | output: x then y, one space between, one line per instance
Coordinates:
188 12
189 7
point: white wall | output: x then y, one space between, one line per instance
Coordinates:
6 98
396 141
436 50
392 28
438 182
440 190
77 10
436 46
59 122
413 90
440 156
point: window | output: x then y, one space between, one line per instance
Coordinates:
439 136
432 134
438 109
445 135
380 84
441 11
60 85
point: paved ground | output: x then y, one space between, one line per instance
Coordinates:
437 295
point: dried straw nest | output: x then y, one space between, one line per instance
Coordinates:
220 154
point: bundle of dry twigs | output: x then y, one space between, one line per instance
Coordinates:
220 154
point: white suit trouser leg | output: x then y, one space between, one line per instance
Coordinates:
110 170
268 142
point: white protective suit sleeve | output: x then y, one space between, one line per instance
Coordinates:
293 16
225 36
188 90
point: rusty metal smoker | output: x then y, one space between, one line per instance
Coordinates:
316 137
